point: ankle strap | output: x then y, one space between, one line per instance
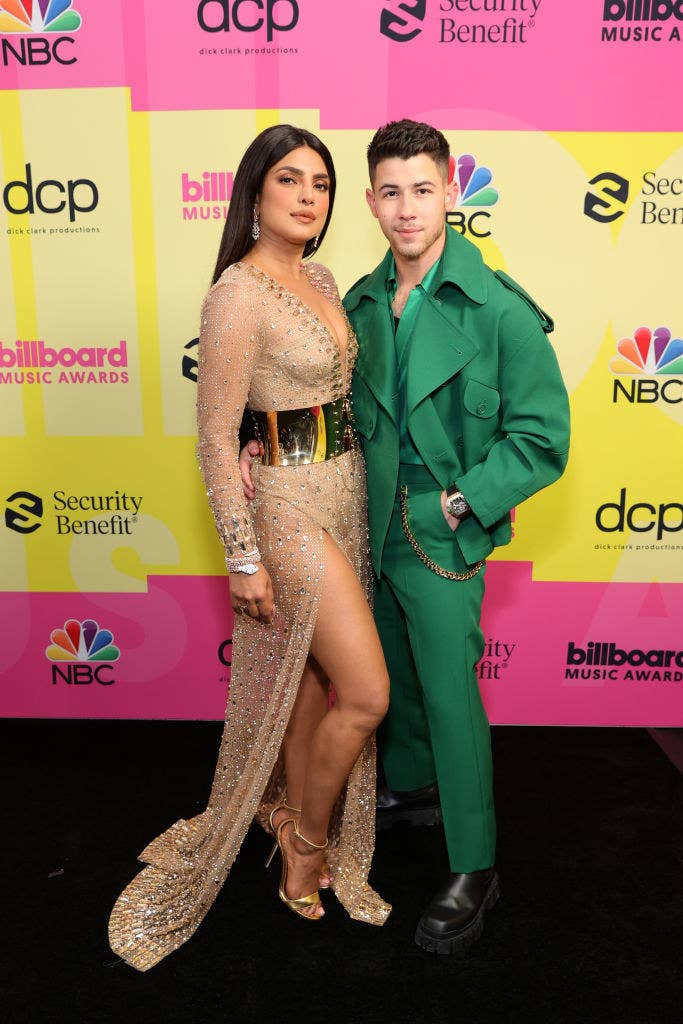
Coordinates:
314 846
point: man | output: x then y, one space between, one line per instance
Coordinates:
462 412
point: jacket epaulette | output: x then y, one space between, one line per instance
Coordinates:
546 321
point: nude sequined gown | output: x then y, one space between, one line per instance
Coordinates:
260 346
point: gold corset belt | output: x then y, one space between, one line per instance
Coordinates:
296 437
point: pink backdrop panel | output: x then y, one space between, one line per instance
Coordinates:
334 58
175 652
94 52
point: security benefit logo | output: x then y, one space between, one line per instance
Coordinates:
495 659
206 196
243 27
402 21
648 367
502 22
23 512
607 661
82 654
35 33
476 196
642 21
66 514
606 201
660 198
55 207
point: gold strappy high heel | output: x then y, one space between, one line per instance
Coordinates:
280 807
301 903
297 810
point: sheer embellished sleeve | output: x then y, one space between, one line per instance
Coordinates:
229 343
323 279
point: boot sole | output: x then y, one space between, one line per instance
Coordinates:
460 942
417 818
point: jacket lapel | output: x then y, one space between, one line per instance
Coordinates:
366 305
376 363
438 350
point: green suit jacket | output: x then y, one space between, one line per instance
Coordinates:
487 407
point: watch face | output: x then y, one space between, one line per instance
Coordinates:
457 505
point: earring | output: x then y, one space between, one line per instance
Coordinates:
255 230
315 242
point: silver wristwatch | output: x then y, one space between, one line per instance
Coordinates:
248 567
456 503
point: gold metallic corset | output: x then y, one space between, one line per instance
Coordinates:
298 437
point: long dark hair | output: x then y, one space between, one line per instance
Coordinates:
267 149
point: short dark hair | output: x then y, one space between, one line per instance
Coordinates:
407 138
267 149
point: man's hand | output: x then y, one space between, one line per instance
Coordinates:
252 595
247 456
452 521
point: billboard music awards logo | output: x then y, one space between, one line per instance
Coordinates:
508 21
238 20
35 31
648 367
607 661
206 197
34 362
475 194
116 514
642 21
81 653
28 195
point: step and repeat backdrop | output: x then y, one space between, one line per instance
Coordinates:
121 127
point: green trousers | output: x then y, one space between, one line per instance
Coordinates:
436 728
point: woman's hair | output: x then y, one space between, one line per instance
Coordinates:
265 151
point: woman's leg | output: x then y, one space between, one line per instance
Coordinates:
346 647
310 707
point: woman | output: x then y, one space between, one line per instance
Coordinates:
275 339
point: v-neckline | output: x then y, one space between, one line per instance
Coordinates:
331 333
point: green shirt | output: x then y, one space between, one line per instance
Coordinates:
403 337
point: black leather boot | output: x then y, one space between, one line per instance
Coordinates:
455 917
412 807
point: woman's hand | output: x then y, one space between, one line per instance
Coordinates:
250 451
252 595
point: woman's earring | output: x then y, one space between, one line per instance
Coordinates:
315 242
255 229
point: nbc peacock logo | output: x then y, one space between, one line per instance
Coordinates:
646 357
38 16
33 32
82 653
475 195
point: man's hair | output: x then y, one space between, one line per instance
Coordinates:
404 139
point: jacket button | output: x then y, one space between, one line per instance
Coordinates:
481 408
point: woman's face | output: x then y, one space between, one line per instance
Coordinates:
295 198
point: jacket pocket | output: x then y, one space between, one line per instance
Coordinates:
481 400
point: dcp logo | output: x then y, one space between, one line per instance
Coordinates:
221 15
597 206
24 195
24 512
394 26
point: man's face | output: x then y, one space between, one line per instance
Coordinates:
410 198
